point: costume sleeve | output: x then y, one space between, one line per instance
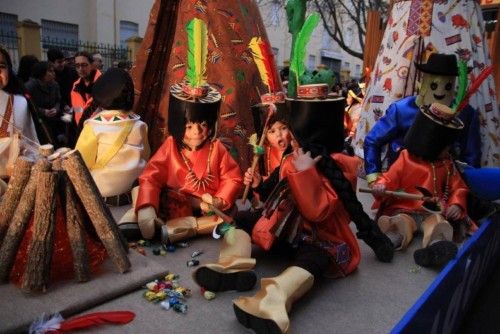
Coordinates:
154 177
458 192
392 178
314 196
382 133
470 144
87 145
230 178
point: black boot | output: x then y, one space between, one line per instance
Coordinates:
436 255
378 242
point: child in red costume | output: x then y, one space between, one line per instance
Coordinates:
195 168
425 163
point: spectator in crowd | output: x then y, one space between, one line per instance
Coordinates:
81 98
65 76
26 64
98 63
45 94
125 64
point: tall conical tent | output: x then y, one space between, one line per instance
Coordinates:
415 29
230 68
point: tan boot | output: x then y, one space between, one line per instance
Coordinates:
435 227
183 228
267 311
233 271
128 223
402 224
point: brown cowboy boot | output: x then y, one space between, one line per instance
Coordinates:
267 311
233 271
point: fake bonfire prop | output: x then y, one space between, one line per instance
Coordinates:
54 192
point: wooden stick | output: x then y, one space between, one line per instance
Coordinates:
101 217
37 272
20 221
257 156
400 194
10 200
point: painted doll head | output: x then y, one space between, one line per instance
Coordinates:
438 79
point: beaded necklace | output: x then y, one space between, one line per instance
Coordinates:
446 190
194 181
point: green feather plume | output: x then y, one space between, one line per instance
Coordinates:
197 52
299 50
462 84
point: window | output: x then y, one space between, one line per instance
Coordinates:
347 65
59 30
348 36
127 29
357 72
311 62
60 35
8 36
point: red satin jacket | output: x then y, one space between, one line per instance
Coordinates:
409 171
168 169
319 204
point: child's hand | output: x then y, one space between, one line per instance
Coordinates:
208 200
303 161
378 189
453 212
252 177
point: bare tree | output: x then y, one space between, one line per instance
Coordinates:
338 15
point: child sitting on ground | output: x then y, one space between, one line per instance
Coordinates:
425 163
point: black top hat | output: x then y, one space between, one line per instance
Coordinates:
318 122
431 132
440 64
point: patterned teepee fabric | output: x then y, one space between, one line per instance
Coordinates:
230 67
416 29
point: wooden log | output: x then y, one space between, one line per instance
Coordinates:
76 232
46 150
20 221
101 217
37 272
17 182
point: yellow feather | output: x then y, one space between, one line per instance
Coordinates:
259 59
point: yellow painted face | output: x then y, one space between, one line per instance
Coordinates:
436 88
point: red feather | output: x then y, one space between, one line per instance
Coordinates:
98 318
474 86
270 65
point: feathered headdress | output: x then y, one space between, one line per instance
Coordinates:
197 53
299 50
264 59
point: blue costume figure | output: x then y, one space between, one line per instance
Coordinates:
438 84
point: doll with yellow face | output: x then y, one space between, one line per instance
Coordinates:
438 80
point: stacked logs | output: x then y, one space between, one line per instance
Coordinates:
33 190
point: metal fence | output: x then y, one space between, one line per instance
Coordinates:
10 41
110 53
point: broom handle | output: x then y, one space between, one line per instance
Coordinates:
400 194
